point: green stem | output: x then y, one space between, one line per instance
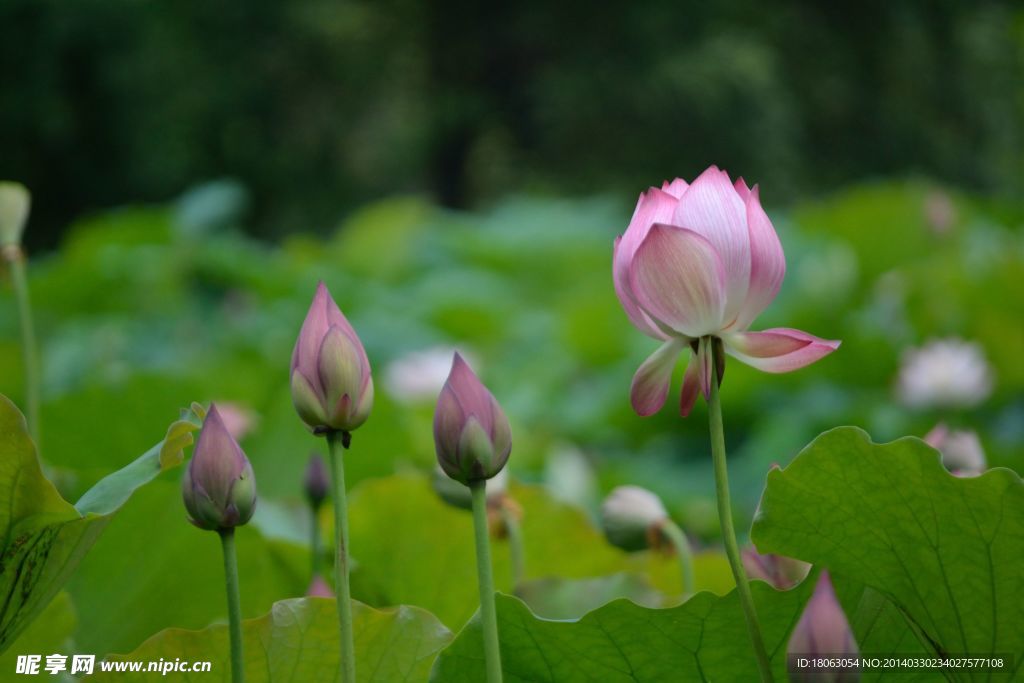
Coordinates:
19 280
227 539
515 544
683 550
337 442
728 531
315 544
488 613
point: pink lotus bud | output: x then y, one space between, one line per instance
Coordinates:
823 631
219 488
318 588
317 482
962 453
631 516
331 384
14 206
698 263
778 570
472 436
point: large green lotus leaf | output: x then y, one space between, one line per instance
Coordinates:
297 642
704 639
411 548
944 550
45 537
48 634
153 570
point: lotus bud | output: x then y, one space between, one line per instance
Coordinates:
778 570
472 436
219 489
317 482
14 205
458 495
962 453
823 631
318 588
631 517
330 374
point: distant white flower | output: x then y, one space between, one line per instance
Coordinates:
961 450
570 477
418 376
945 373
628 515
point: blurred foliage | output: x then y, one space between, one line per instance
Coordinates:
315 106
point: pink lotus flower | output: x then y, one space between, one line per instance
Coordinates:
330 374
472 436
219 489
700 262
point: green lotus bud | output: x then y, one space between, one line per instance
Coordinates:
631 517
14 205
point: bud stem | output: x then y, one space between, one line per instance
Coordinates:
315 545
515 543
488 612
227 540
678 539
19 280
337 441
729 533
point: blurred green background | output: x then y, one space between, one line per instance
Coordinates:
317 106
456 174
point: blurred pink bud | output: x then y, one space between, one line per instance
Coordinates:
318 588
939 212
962 453
219 489
317 482
944 373
330 374
472 436
823 631
778 570
700 261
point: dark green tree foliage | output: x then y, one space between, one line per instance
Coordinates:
318 105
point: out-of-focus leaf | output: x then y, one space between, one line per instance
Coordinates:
45 536
556 598
945 550
159 554
50 632
297 642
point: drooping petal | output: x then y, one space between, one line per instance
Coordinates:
711 207
654 206
654 377
767 263
691 387
679 280
777 350
640 320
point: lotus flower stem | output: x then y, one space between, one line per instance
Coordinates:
16 260
315 544
728 531
227 539
488 612
515 544
678 539
337 442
